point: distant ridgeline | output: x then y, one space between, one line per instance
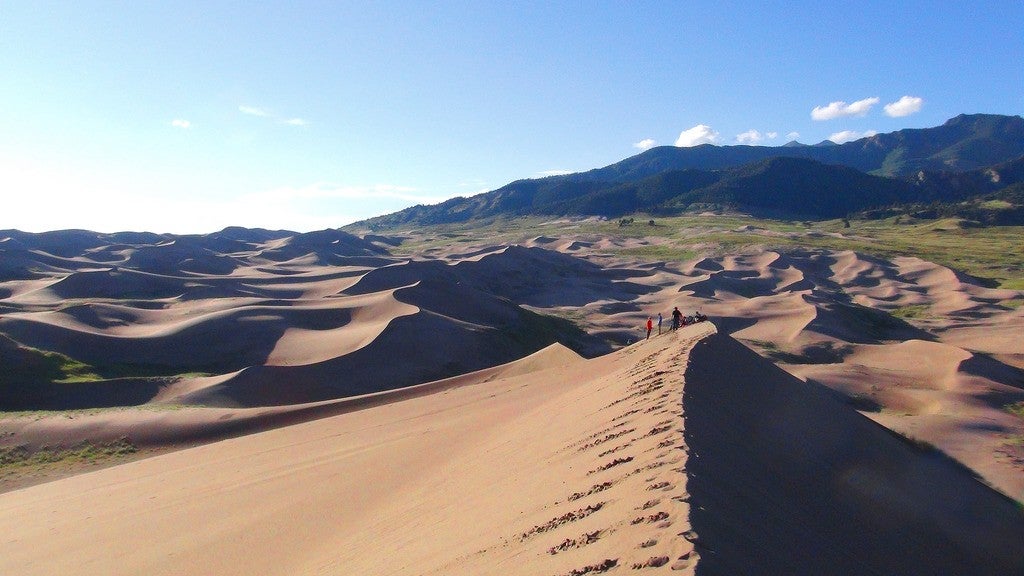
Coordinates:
972 164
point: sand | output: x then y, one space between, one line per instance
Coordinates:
551 466
362 413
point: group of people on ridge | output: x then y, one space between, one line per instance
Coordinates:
677 320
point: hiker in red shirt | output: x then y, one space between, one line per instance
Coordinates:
650 326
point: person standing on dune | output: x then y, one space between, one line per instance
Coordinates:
659 323
677 318
650 326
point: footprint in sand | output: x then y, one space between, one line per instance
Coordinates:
685 561
659 429
593 490
560 520
652 562
570 543
625 415
656 517
611 464
614 450
606 438
605 566
649 504
650 466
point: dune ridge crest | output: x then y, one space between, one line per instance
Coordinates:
642 459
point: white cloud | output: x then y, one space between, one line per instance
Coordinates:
546 173
772 135
840 109
793 135
750 137
645 144
254 111
905 106
179 123
295 122
699 134
850 136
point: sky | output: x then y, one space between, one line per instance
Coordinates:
190 116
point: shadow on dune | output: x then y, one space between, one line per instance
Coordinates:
35 380
784 479
216 343
80 395
730 324
531 276
423 347
859 324
985 366
469 318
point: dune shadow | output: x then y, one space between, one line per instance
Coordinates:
785 479
985 366
111 393
732 324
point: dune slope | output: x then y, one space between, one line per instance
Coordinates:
785 479
555 465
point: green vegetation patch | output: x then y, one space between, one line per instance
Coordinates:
911 311
87 452
1017 409
22 363
996 205
72 414
659 252
993 254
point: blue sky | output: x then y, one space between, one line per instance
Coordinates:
191 116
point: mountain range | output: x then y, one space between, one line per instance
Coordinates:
967 156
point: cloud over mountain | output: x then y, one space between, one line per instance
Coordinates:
750 137
850 135
840 109
699 134
905 106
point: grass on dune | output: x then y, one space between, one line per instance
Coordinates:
85 452
20 465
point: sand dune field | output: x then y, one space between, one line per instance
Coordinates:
315 404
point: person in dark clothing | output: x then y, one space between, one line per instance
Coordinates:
677 318
659 323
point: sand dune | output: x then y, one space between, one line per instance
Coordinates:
887 334
801 474
555 465
246 320
294 319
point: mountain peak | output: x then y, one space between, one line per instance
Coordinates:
660 178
